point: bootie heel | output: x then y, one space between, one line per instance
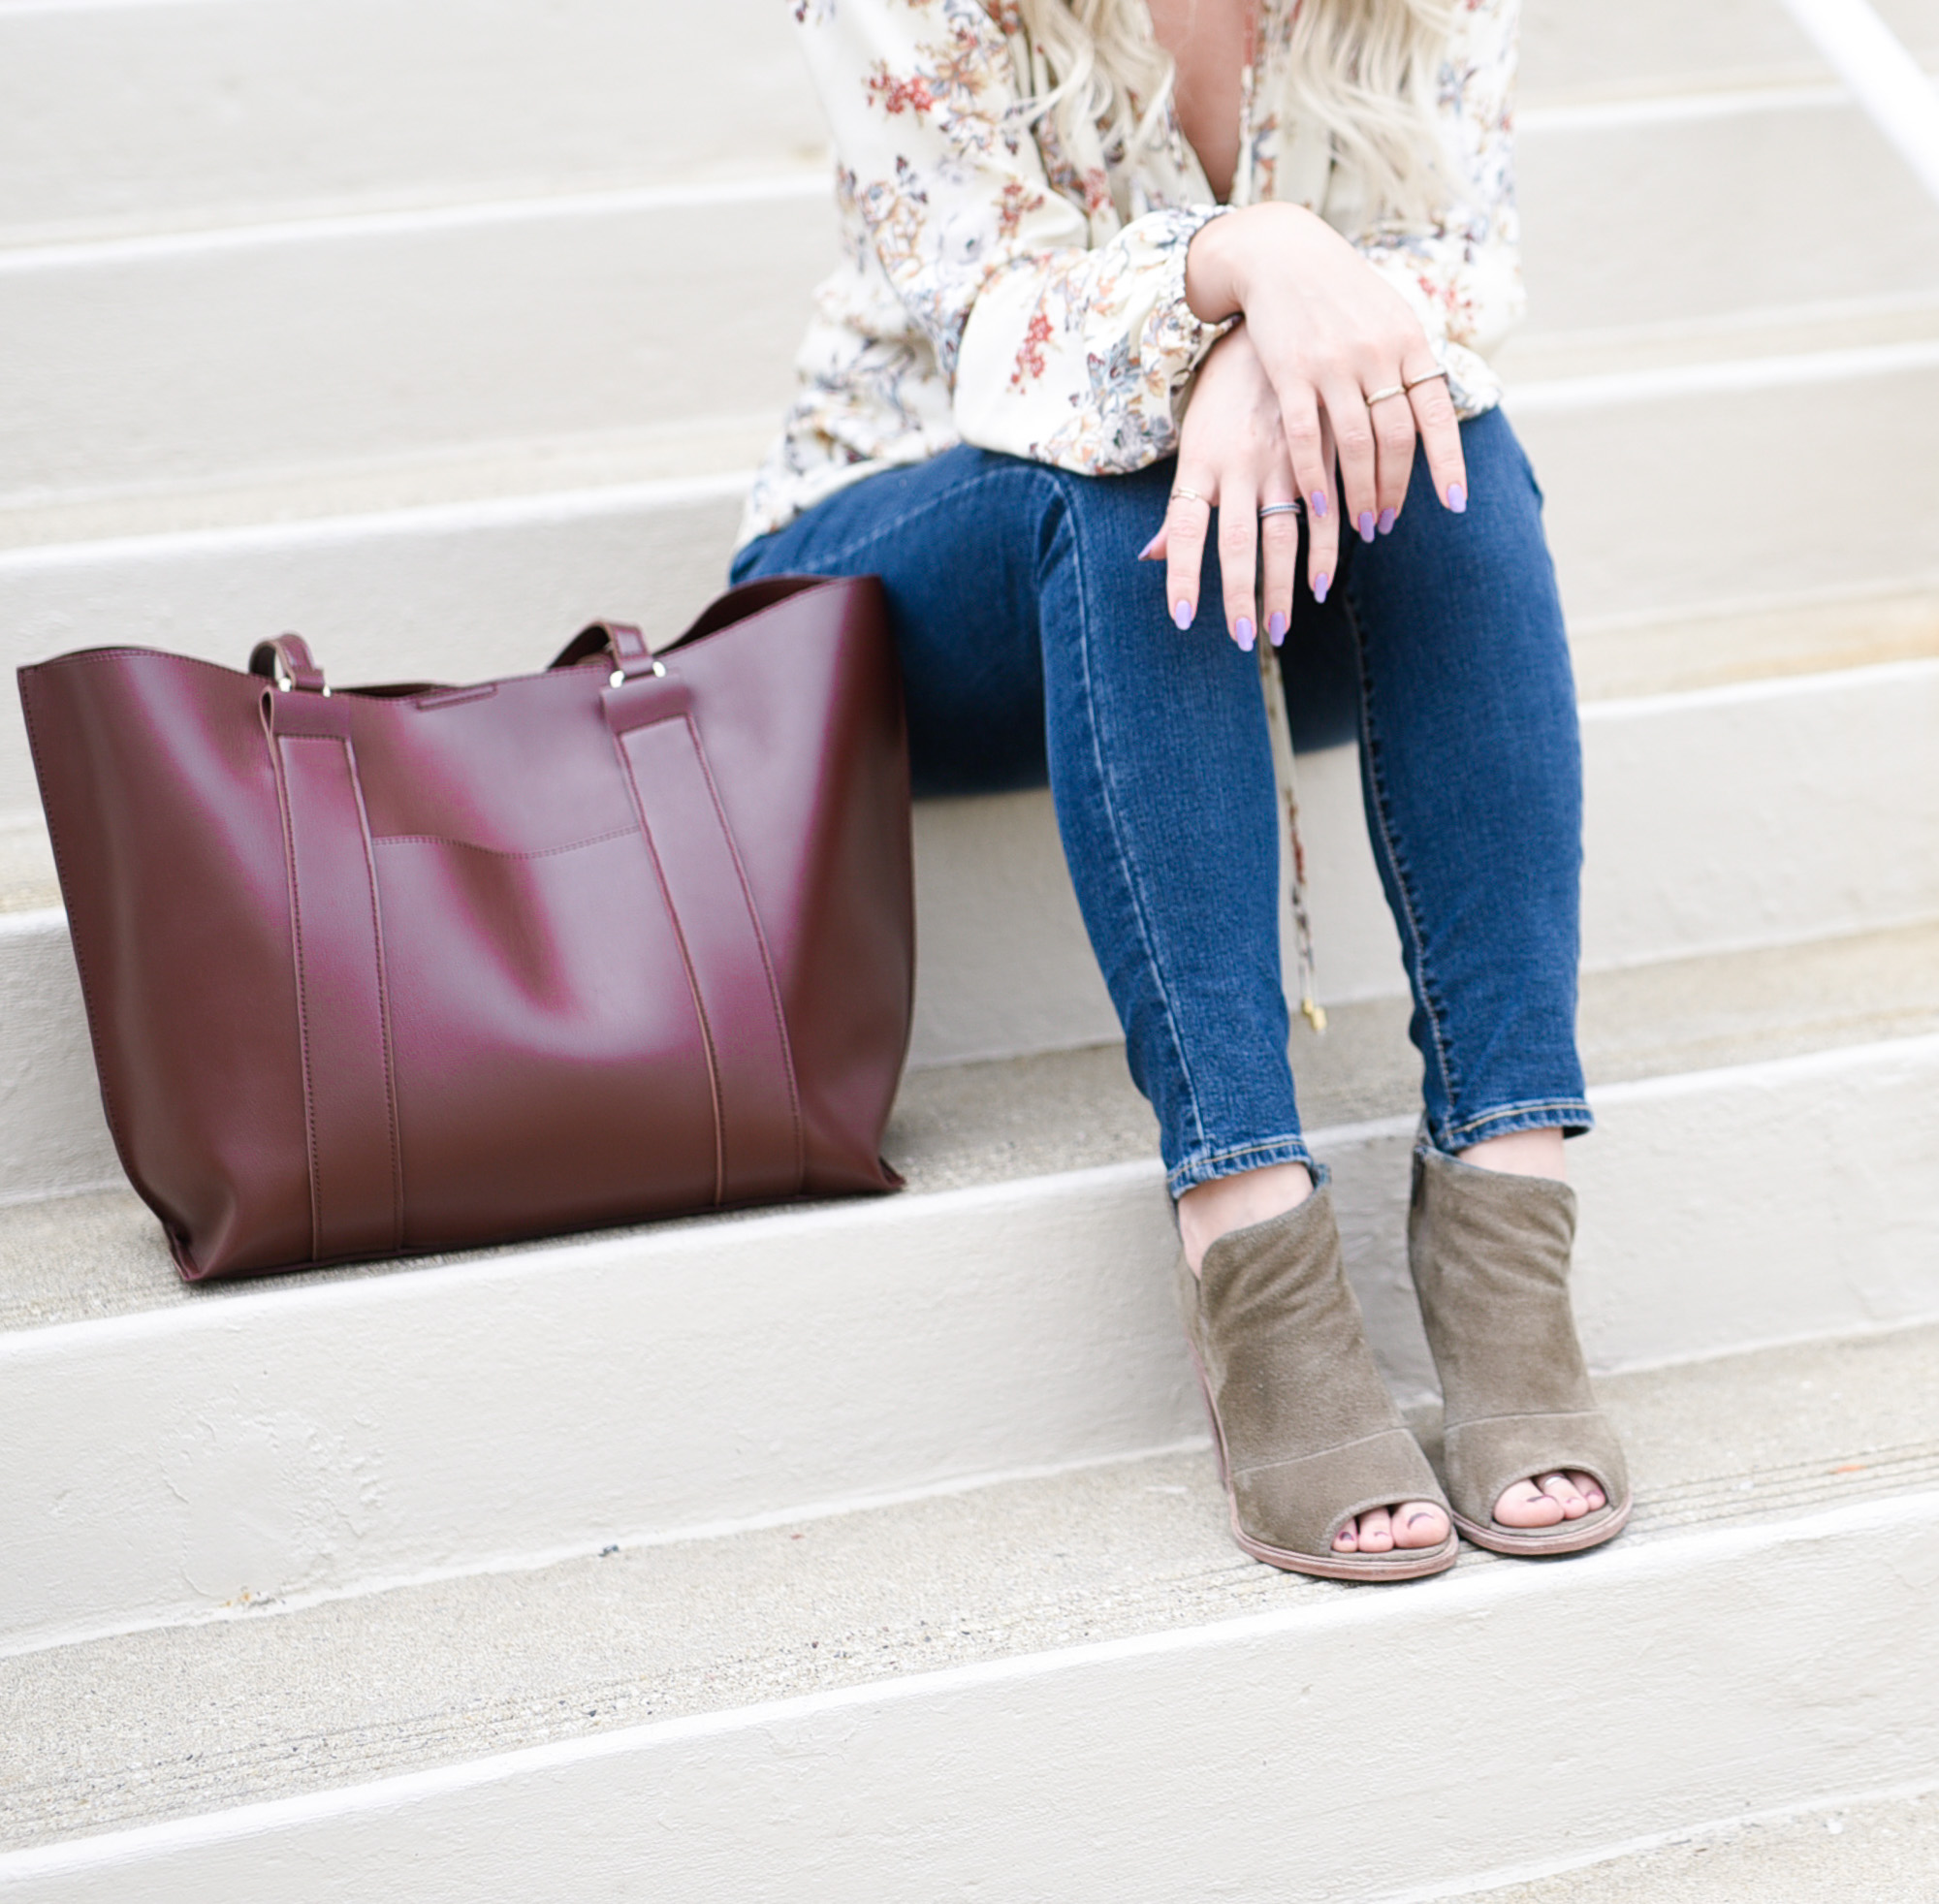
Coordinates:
1307 1435
1489 1253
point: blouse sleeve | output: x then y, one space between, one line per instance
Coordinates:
1463 274
1055 347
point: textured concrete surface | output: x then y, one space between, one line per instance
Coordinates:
1881 1853
174 1721
27 879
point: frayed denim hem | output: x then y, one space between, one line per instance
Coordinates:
1203 1167
1572 1116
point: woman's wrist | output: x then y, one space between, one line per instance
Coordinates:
1218 264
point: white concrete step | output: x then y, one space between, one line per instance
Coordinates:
1059 1687
322 1435
224 355
459 565
156 116
1828 1849
1752 814
227 111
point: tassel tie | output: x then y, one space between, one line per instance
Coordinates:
1292 852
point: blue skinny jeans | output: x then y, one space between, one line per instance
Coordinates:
1035 645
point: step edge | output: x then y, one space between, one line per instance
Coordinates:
781 186
1612 389
1464 1595
29 1645
53 1340
536 506
1756 689
234 1307
1714 1829
1590 394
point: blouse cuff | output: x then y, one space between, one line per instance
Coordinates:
1082 358
1176 332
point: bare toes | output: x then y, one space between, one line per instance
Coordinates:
1525 1505
1566 1494
1418 1524
1376 1531
1586 1487
1346 1541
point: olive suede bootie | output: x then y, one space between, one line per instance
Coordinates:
1489 1253
1307 1435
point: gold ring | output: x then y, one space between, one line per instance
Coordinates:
1412 382
1189 495
1381 395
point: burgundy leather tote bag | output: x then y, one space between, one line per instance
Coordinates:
389 970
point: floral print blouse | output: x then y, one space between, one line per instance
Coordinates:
998 289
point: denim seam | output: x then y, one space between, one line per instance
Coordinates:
1532 1107
1124 855
1292 1149
1430 1003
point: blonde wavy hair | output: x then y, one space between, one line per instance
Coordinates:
1365 69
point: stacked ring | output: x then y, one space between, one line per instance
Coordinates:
1280 509
1381 395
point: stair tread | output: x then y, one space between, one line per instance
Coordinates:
1864 1852
180 1719
84 1258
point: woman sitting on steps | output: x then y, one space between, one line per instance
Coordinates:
1142 306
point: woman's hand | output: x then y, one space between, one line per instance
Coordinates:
1327 332
1232 452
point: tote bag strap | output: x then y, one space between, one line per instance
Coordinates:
343 1020
759 1150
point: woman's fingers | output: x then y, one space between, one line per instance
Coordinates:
1310 444
1185 521
1279 555
1323 532
1354 444
1393 434
1440 440
1238 533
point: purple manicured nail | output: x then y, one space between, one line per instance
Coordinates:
1318 502
1276 626
1243 633
1388 518
1366 525
1457 498
1320 585
1182 613
1145 554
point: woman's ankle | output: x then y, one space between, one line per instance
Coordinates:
1217 1207
1519 1153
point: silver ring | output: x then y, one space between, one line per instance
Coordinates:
1381 395
1413 382
1280 509
1189 495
